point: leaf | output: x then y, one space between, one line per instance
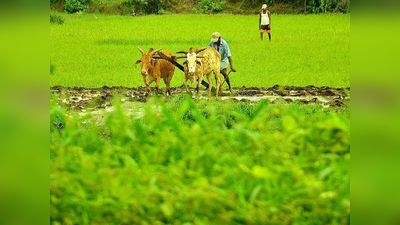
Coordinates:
261 172
325 172
245 169
167 210
328 195
254 193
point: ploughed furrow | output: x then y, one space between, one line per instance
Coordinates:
82 98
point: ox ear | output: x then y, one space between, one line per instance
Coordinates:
198 62
150 50
138 61
153 61
185 63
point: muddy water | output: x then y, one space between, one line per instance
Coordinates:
96 100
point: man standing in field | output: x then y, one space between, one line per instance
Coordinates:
226 57
265 21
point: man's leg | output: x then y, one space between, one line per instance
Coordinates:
223 71
261 34
269 33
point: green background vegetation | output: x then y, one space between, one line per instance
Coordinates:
202 162
125 7
93 50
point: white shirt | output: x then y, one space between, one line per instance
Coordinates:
264 18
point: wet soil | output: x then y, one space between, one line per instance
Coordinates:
90 99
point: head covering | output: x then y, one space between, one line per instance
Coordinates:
264 6
215 36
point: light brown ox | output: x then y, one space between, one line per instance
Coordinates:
201 62
154 68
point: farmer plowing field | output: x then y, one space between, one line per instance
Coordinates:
226 56
199 62
225 59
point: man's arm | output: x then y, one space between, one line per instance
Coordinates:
230 62
229 55
210 44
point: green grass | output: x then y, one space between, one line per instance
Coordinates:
202 162
95 50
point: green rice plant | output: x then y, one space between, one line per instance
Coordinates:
183 163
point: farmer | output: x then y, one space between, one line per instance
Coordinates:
265 22
226 57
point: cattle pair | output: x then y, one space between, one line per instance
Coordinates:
199 62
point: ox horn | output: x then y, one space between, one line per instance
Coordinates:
154 51
183 52
180 57
141 51
200 50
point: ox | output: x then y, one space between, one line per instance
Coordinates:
154 68
201 62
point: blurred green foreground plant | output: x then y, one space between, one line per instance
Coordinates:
187 162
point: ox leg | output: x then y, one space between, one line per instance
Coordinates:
199 84
168 89
169 83
218 80
209 78
148 89
147 86
167 86
158 85
186 86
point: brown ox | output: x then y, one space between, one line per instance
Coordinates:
202 62
154 68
